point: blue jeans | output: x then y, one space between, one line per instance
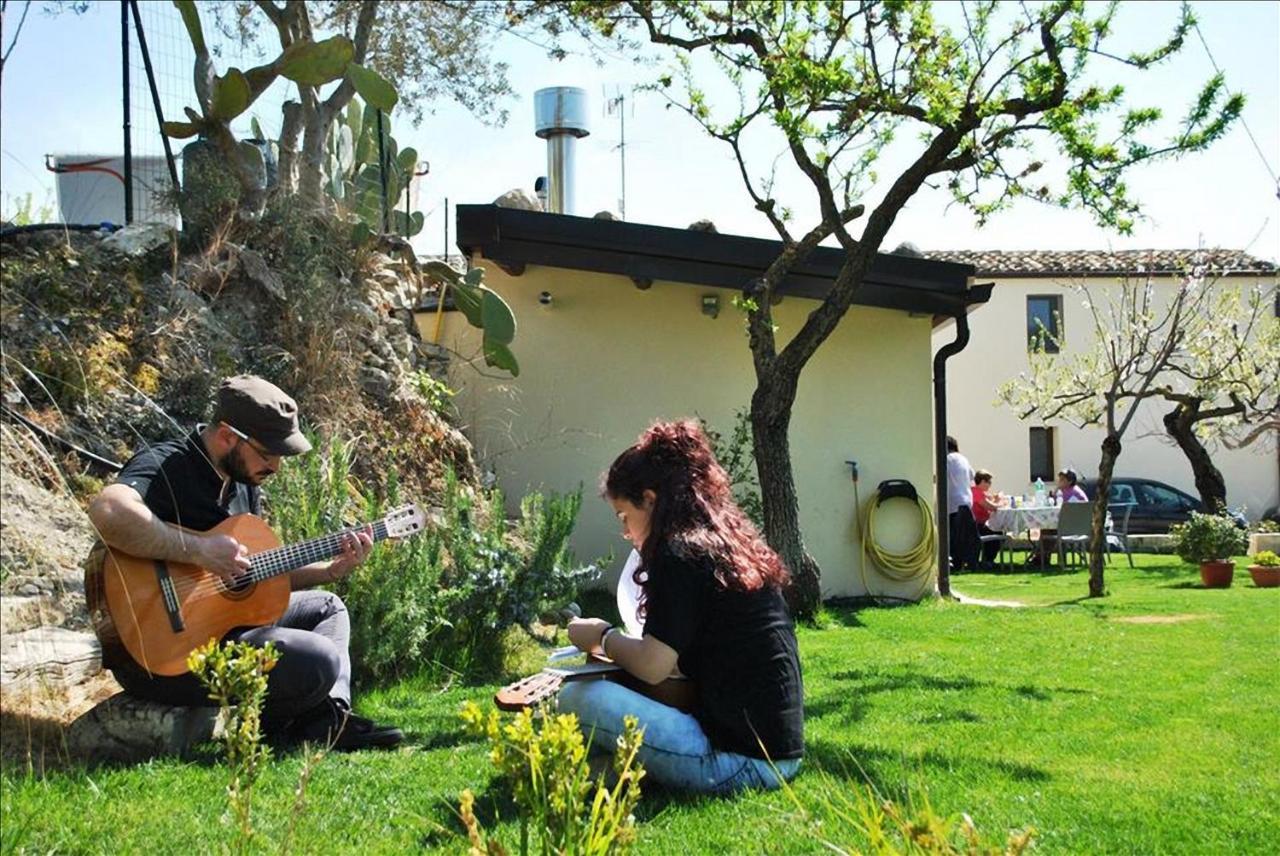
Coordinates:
676 751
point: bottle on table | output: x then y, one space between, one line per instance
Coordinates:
1040 495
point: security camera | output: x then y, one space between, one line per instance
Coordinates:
545 298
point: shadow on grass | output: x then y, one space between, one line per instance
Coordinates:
877 682
882 768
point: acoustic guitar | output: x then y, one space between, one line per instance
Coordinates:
158 612
536 689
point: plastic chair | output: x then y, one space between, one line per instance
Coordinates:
1120 537
1005 543
1075 525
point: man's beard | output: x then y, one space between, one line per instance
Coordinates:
233 465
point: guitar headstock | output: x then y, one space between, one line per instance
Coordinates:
405 521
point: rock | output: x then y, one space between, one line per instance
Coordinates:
51 656
433 351
520 199
703 226
402 345
605 215
124 728
18 613
139 239
376 382
29 589
257 272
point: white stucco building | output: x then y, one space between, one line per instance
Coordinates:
1039 285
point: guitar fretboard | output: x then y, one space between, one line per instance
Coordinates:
281 560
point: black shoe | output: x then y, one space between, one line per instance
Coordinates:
353 733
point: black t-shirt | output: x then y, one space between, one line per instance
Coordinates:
739 648
178 483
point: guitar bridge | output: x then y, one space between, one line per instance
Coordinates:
170 596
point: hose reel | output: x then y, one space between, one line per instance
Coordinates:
913 565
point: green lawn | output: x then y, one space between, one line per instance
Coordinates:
1105 733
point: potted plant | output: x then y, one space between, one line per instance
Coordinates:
1210 540
1265 570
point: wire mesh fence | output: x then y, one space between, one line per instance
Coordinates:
370 177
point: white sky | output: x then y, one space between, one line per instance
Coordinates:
62 93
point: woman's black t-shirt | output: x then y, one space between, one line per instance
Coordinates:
739 649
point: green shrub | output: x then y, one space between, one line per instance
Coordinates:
441 601
1267 559
1207 538
563 808
737 455
235 674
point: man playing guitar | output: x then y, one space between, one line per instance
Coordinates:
197 483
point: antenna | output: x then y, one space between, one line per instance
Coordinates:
618 104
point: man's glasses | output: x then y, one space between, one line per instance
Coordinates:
252 444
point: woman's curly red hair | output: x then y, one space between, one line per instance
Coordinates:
694 514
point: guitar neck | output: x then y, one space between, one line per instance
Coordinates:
282 560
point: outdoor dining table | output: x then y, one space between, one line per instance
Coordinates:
1025 518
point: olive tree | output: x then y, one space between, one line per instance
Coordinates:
1004 102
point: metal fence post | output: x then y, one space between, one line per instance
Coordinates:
382 172
128 135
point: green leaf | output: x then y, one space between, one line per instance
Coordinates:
256 128
373 87
361 233
475 277
230 95
469 301
316 63
499 322
191 18
500 357
180 130
416 221
407 160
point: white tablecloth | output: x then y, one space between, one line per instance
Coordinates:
1026 518
1014 520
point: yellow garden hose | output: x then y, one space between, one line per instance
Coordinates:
915 565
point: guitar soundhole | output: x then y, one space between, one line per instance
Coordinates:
238 590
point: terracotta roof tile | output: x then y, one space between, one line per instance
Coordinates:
1037 263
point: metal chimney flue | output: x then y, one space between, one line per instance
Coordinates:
560 118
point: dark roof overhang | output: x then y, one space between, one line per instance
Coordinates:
515 238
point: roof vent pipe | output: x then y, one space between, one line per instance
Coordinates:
560 118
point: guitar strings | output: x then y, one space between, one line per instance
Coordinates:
274 562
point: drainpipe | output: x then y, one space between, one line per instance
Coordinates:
940 446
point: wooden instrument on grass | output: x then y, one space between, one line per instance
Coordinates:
159 612
535 689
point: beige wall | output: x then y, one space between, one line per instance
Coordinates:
992 436
606 358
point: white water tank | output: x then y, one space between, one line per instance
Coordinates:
94 192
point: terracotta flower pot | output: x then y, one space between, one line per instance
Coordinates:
1217 574
1264 576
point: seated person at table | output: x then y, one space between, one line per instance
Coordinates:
984 503
712 606
1068 489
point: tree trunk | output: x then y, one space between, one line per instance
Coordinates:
1098 536
1212 487
311 164
290 132
770 426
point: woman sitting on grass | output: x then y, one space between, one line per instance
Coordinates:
713 611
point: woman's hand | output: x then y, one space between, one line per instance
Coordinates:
585 633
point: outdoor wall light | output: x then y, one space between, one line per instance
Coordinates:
711 305
545 298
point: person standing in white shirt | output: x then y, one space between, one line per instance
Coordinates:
963 530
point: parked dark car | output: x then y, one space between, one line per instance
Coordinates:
1156 505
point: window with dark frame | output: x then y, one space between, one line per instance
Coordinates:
1041 443
1044 322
